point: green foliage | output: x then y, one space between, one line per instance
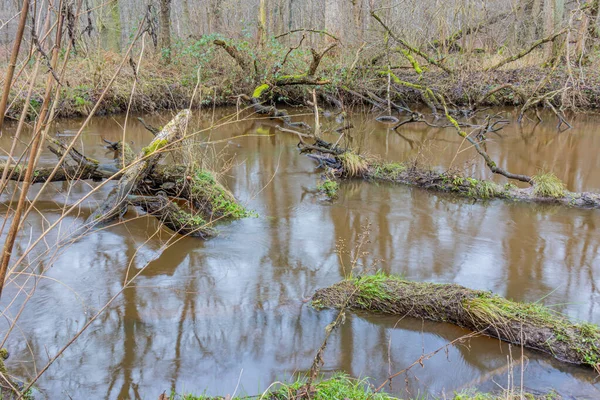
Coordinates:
329 187
340 386
548 185
371 288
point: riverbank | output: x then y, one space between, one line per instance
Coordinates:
341 386
219 81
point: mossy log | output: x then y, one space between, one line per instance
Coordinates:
115 204
530 325
145 183
172 216
544 191
475 188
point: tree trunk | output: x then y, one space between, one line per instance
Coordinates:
262 22
13 61
165 30
216 16
115 204
334 12
554 11
110 27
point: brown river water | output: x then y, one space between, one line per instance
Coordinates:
210 316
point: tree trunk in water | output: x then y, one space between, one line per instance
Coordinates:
165 30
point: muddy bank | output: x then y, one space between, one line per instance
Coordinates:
531 325
162 87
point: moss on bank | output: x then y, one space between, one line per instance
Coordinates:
531 325
341 386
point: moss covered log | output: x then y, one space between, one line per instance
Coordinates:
172 216
531 325
546 187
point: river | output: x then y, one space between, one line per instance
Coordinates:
205 316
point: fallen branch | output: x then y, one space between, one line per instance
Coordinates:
530 325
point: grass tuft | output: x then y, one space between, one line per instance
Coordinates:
354 165
548 185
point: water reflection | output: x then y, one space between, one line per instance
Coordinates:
202 315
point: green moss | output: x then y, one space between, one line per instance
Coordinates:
548 185
388 170
380 293
214 198
413 62
155 146
329 187
260 90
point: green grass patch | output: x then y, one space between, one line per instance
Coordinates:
548 185
329 187
388 170
155 146
339 386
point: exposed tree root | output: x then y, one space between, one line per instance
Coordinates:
531 325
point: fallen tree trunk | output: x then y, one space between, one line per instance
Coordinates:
530 325
172 216
115 205
542 191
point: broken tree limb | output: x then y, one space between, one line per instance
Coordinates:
314 65
115 204
524 52
410 48
243 60
530 325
